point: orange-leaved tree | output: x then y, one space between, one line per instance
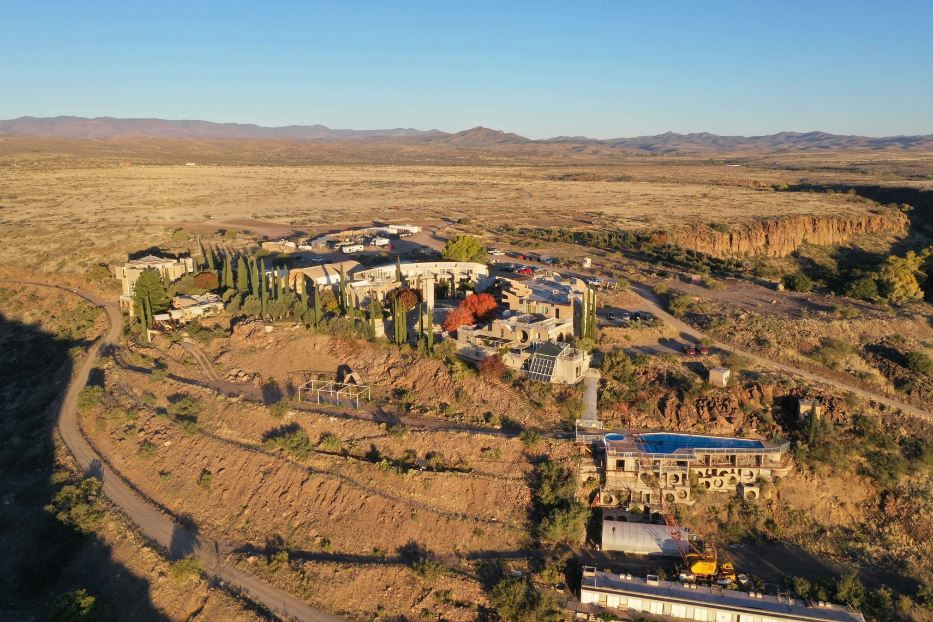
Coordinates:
480 305
456 318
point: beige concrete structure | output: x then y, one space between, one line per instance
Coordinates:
719 376
542 360
167 267
186 308
559 298
807 408
325 275
637 467
283 247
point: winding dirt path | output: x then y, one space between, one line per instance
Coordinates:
652 304
179 540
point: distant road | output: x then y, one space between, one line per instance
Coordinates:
178 540
651 303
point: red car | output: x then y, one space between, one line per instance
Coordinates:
526 271
690 350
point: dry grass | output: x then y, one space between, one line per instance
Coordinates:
65 216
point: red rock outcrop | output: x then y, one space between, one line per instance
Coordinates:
781 236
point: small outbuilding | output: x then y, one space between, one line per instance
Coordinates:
719 376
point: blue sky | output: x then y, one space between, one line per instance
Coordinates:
601 69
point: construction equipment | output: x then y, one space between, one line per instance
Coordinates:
700 563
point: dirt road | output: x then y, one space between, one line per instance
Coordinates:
179 540
651 303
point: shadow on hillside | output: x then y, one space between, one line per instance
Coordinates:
40 557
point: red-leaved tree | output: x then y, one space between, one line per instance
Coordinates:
456 318
480 305
492 366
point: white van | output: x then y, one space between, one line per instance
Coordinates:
353 248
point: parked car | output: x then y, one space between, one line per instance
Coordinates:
611 316
690 350
317 260
594 282
353 248
625 316
495 252
703 350
525 271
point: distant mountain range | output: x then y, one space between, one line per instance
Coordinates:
669 143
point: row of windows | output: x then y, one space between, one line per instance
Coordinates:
687 612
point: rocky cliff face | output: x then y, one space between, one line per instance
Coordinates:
781 236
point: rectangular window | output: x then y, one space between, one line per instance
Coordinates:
655 606
723 616
634 603
679 611
700 614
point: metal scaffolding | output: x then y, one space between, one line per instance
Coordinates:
333 392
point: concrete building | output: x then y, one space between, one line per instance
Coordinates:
677 601
719 376
169 268
186 308
807 408
558 298
544 361
283 247
621 534
324 275
637 467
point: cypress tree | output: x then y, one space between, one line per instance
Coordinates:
254 277
302 289
318 313
275 282
262 286
429 329
210 259
242 276
342 288
398 269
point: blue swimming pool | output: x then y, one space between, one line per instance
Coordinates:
667 443
664 443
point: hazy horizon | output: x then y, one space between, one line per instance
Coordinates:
541 71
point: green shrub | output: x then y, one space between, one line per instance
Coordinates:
186 568
90 397
291 438
516 600
77 606
565 524
529 437
920 363
833 353
330 442
77 505
798 282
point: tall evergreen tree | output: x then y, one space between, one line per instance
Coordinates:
275 282
342 289
301 286
211 260
318 311
262 287
285 280
242 275
398 269
254 277
429 328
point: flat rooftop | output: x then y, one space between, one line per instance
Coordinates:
674 444
714 597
